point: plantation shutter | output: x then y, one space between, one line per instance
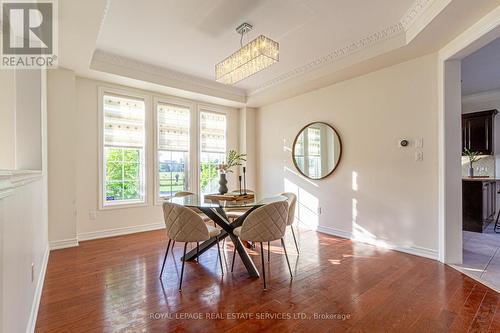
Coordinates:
213 132
173 127
123 122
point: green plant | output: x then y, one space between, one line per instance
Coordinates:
208 173
233 159
122 174
472 156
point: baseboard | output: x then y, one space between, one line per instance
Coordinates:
38 292
414 250
120 231
62 244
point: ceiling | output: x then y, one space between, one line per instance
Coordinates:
191 36
481 70
172 46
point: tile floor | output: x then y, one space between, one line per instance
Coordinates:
481 256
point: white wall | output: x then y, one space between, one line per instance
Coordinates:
247 144
379 193
24 246
7 119
28 120
62 127
23 242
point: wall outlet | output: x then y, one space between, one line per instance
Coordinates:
92 215
419 156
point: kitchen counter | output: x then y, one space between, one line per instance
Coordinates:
478 202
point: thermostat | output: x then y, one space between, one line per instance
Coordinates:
403 143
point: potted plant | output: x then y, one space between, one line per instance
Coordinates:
473 157
233 159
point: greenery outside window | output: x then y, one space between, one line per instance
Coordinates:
123 150
213 149
173 135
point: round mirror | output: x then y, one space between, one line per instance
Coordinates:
317 150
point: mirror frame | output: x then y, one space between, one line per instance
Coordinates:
295 142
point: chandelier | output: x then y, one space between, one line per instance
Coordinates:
255 56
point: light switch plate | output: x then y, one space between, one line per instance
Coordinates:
419 143
419 156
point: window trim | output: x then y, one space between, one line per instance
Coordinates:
192 143
211 109
103 90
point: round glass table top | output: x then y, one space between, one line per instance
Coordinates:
199 201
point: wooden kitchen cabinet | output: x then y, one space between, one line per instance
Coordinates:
478 131
478 204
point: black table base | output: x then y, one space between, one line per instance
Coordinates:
218 215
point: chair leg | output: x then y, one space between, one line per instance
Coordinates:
294 239
197 252
286 256
268 252
263 265
220 257
234 256
165 259
496 223
183 262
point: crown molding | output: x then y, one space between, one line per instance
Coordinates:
380 36
414 12
410 17
103 19
123 66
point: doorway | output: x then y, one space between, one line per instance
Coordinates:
452 237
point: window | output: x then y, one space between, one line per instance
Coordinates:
308 151
123 150
173 122
314 151
212 149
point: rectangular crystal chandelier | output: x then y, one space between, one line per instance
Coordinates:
255 56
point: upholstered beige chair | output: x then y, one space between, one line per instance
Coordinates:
265 224
184 225
292 202
202 215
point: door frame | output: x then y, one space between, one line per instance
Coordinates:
478 35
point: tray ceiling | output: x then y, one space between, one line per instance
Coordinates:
191 36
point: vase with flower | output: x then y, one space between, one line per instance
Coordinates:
233 159
473 157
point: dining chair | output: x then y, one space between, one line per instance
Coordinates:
291 198
202 215
265 224
184 225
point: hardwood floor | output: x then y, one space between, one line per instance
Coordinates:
112 284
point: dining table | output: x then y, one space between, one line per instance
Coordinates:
216 211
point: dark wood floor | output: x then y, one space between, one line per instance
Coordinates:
112 285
